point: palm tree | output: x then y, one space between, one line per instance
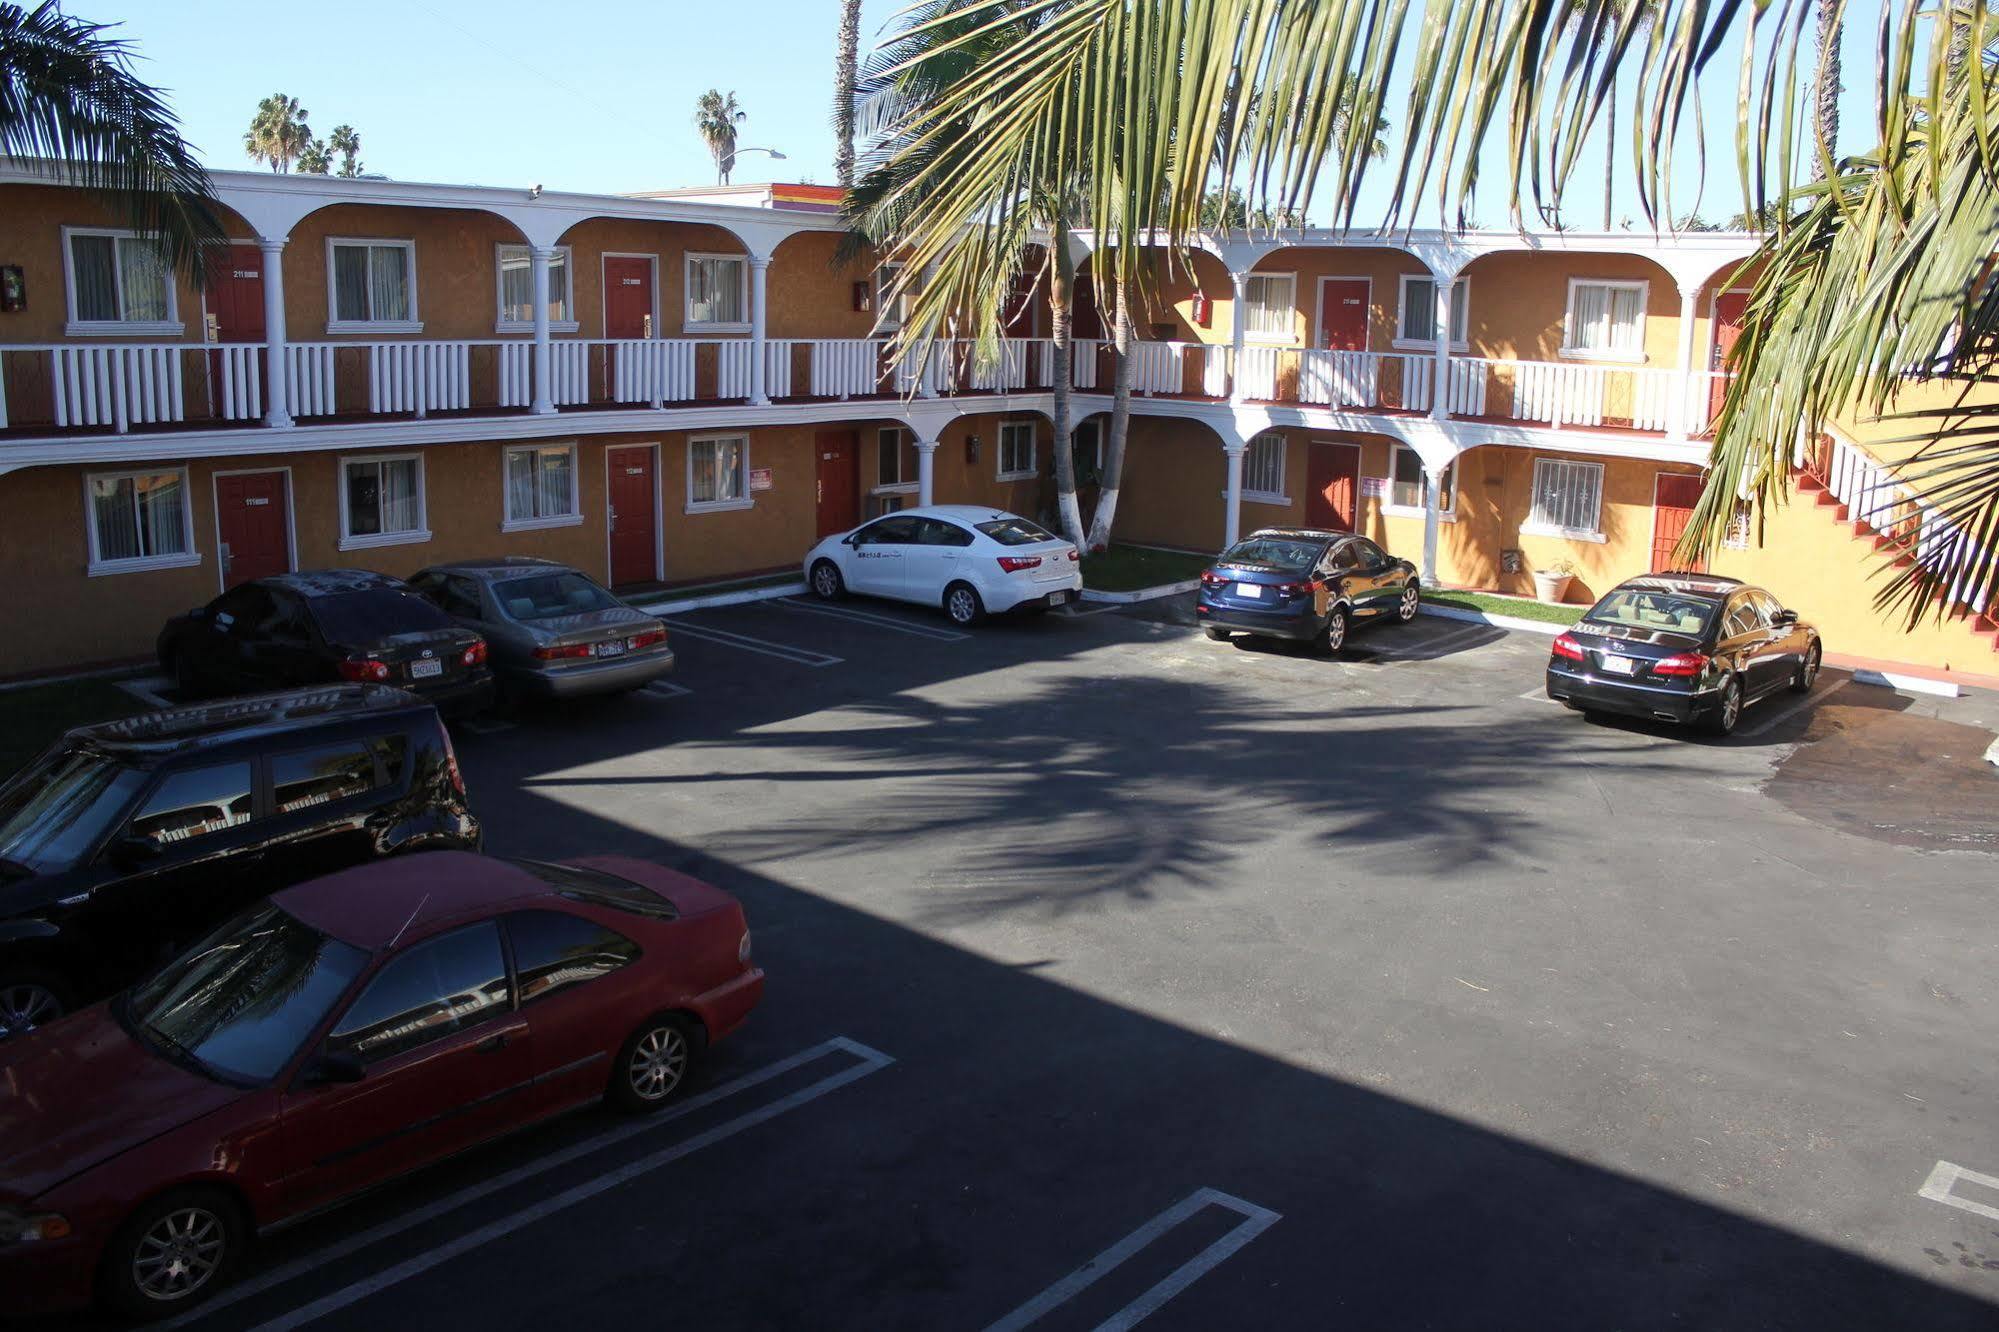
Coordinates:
1825 80
846 71
716 116
1605 16
1870 293
68 96
346 141
314 159
278 133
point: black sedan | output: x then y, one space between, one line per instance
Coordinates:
1683 647
1307 585
326 626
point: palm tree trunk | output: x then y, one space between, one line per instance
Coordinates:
1609 151
1061 308
1825 80
845 70
1106 514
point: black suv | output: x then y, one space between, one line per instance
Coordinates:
128 839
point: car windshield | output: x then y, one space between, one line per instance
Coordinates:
545 596
1292 554
243 1000
1014 531
371 616
1650 609
600 889
61 807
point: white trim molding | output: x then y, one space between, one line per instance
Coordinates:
1033 469
74 327
502 324
370 540
1289 338
687 319
412 323
573 518
1571 351
97 567
1460 299
743 500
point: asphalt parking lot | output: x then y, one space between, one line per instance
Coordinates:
1116 975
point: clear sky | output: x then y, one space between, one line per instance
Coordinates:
598 95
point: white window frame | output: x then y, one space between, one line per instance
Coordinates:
335 324
369 540
97 567
1393 510
687 319
888 317
502 324
748 500
1460 314
574 518
1033 468
171 326
890 440
1570 351
1531 527
1289 338
1265 496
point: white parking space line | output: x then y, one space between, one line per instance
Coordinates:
1449 641
147 690
1810 700
937 632
451 1202
782 651
1539 694
1255 1221
666 689
1944 1178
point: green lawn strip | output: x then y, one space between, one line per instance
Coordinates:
30 718
1520 608
1130 568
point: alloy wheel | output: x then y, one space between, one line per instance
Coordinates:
826 581
25 1006
1411 599
658 1063
962 605
1731 705
1336 632
1810 673
179 1254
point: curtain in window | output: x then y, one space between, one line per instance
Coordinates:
558 287
520 486
516 285
1624 330
116 517
1419 309
728 469
399 497
1269 301
350 282
1591 307
389 282
162 513
1407 488
715 291
552 471
93 265
705 488
145 280
139 516
364 499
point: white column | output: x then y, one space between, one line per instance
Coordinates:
1232 523
1433 491
1238 327
277 414
1440 394
1683 392
759 337
539 258
926 471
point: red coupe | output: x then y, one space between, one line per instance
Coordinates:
344 1032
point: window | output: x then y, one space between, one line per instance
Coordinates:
1272 307
600 889
1742 618
545 596
715 290
1015 532
117 283
1740 523
1416 322
1016 450
139 520
1568 498
718 472
541 487
554 951
1406 482
895 463
892 299
307 778
195 803
372 286
441 986
454 595
937 532
1087 441
1263 468
516 265
375 614
381 501
1370 555
1606 319
59 808
895 531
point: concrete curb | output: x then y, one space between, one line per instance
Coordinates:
682 604
1496 621
1909 684
1992 751
1143 593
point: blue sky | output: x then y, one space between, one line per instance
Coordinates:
598 95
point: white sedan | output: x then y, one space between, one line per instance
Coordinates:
971 561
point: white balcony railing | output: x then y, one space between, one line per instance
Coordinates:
1563 393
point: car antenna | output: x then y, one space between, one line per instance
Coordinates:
411 921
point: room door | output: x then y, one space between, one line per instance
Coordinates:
251 515
1673 497
1333 486
632 515
1343 314
628 312
235 305
839 480
1728 308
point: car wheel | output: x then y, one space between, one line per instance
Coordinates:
1334 638
172 1254
653 1063
827 584
962 604
1808 672
1729 711
1411 602
30 999
1217 634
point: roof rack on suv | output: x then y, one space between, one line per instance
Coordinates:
172 726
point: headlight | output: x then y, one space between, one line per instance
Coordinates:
19 1228
743 949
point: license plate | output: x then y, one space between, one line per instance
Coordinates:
1620 665
611 649
1249 589
420 670
1057 598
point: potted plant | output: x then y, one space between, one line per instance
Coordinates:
1552 583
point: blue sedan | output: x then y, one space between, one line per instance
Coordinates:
1306 585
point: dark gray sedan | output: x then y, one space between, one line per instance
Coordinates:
553 632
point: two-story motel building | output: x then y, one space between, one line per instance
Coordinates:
685 386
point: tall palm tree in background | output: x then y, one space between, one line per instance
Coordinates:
846 72
1587 12
68 96
315 159
1873 270
1825 80
346 141
716 116
278 133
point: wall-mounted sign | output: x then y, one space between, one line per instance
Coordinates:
1373 487
760 478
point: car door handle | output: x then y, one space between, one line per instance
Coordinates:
494 1043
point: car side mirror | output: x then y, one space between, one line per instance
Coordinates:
133 850
1784 618
331 1069
198 613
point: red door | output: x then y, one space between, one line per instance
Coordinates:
633 516
235 302
1728 308
1334 481
251 514
839 453
627 297
1343 314
1673 499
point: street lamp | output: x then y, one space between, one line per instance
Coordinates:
729 168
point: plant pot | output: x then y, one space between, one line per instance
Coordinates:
1551 587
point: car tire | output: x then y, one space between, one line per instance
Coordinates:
1808 671
31 996
202 1231
962 605
1410 603
827 584
1728 710
653 1063
1333 638
1216 634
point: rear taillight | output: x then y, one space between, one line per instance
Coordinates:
476 653
1209 578
1018 563
562 652
647 639
1683 663
1297 589
1565 646
1074 555
365 669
